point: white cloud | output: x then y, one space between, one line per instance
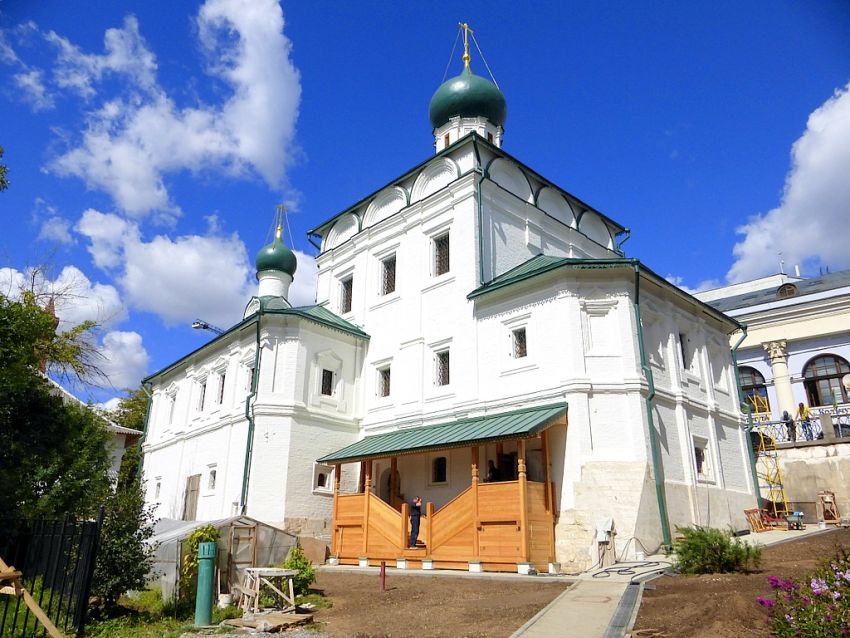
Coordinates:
125 359
707 284
107 234
33 90
111 405
56 229
303 289
810 226
132 142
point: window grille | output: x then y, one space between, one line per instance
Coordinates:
442 377
520 350
347 294
441 255
388 275
327 382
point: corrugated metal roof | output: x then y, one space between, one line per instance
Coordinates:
491 427
805 287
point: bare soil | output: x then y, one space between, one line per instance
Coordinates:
723 605
428 606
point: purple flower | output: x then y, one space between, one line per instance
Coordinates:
819 586
774 582
807 600
836 595
789 618
767 603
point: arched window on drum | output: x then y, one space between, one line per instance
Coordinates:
754 389
822 378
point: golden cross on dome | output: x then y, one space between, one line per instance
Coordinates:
466 31
280 211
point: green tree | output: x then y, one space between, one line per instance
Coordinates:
53 453
132 410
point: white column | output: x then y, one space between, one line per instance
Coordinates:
777 352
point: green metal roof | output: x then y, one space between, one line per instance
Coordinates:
541 264
460 433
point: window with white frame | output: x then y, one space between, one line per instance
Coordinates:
346 295
687 351
323 478
702 459
171 398
384 376
388 275
441 254
222 378
157 487
519 344
441 368
212 475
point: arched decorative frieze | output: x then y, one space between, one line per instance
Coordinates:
386 203
343 230
591 225
553 203
438 174
509 176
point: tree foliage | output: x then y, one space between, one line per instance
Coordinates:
53 453
4 183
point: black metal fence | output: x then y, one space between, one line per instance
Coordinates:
57 561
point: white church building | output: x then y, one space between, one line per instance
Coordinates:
469 311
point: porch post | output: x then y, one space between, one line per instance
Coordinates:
334 543
429 512
523 500
544 439
475 522
393 480
367 493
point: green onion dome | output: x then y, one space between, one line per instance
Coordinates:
276 256
467 95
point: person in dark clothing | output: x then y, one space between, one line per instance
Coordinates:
790 426
415 515
492 472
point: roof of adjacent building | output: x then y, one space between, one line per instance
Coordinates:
458 433
541 264
814 285
315 313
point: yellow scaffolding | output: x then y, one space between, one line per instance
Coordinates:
767 466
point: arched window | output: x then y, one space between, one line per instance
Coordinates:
754 389
823 380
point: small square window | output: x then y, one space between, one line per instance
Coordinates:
327 382
442 368
384 382
441 255
388 275
439 473
519 343
346 295
323 478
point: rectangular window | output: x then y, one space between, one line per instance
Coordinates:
384 382
702 462
442 368
441 255
327 382
172 402
519 343
446 139
346 295
221 380
388 275
158 489
211 479
490 137
202 396
684 350
438 470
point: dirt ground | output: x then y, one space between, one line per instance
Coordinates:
723 605
428 606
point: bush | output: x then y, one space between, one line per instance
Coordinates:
705 550
189 568
818 606
296 559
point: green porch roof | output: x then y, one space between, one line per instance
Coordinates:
460 433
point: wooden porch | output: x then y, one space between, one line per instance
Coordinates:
498 524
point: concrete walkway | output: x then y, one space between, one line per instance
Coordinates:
602 603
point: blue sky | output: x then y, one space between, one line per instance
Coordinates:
148 142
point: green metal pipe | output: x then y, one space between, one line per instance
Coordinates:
479 209
206 577
249 415
748 410
653 438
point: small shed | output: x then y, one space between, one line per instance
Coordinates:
243 542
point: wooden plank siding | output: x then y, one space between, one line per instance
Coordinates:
485 516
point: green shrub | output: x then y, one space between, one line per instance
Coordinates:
296 559
189 568
225 613
705 550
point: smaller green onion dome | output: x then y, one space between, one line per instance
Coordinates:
467 95
276 256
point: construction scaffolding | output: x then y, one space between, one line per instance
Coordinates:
764 438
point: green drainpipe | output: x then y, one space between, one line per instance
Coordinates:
748 410
249 415
479 209
653 438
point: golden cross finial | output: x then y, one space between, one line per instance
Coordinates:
466 32
280 211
